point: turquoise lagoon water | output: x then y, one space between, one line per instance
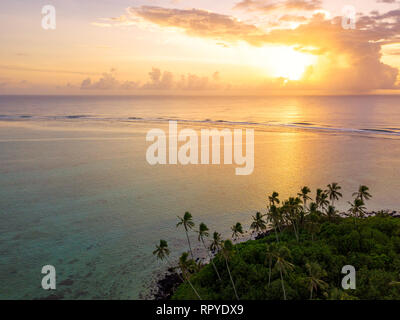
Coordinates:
76 191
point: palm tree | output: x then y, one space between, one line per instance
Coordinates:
314 208
269 256
227 250
362 193
283 265
273 198
293 212
273 216
203 233
331 212
324 202
258 223
237 230
321 198
187 223
357 208
187 266
318 196
162 252
333 192
216 242
304 196
315 274
313 224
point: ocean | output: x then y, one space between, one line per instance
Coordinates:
76 191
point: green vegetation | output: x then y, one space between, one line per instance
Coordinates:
302 254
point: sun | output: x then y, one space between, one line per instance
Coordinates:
290 64
283 62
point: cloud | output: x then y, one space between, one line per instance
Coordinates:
200 23
293 18
267 6
108 82
346 57
158 80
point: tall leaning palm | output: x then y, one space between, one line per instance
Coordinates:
187 224
258 223
237 230
283 265
203 233
186 266
162 252
333 192
227 250
362 193
304 196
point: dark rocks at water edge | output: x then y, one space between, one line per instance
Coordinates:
167 285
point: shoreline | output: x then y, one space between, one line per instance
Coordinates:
168 281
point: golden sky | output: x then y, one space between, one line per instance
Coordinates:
201 47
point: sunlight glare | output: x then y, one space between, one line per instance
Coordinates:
284 62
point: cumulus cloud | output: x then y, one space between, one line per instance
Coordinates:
108 81
158 80
348 59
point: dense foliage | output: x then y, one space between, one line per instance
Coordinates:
372 246
301 256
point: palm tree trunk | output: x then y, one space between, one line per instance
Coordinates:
283 286
311 292
230 276
276 235
295 230
208 252
270 270
195 291
190 247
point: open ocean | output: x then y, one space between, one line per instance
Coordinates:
76 191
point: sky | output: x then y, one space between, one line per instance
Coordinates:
200 47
